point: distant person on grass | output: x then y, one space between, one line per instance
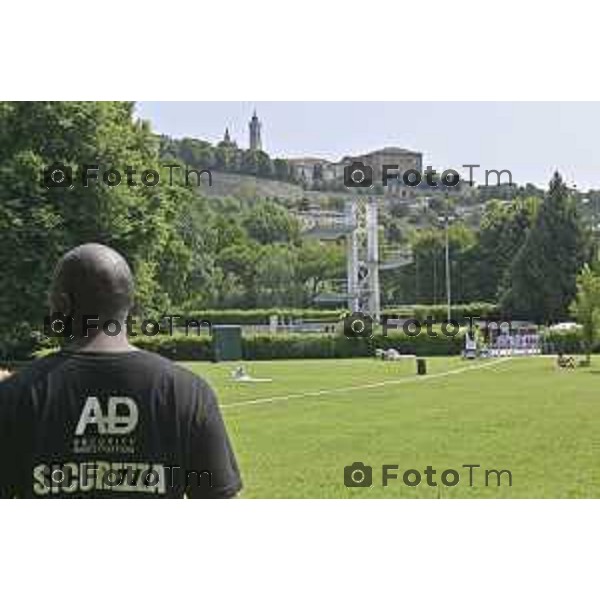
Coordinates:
103 419
565 362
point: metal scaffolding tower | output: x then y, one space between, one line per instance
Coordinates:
363 257
358 226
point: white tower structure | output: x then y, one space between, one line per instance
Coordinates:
358 226
363 257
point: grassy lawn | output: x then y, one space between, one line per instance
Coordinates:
294 435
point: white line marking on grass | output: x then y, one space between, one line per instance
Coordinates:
366 386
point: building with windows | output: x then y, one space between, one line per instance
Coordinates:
322 174
313 171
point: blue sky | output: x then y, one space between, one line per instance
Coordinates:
532 139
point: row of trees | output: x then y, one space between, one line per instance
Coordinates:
185 250
526 256
38 223
252 255
193 252
225 156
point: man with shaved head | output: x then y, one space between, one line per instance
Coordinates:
93 284
101 418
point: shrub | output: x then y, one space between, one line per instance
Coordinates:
260 316
177 347
308 345
567 342
21 344
422 345
264 347
294 345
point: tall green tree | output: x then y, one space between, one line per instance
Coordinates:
424 280
543 274
275 281
319 262
504 228
38 223
268 222
586 307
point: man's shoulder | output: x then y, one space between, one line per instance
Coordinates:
181 374
29 374
40 370
188 377
157 361
188 388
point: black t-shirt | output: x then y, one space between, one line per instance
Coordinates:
104 425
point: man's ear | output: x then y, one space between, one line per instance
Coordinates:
65 304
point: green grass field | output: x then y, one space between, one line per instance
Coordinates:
294 435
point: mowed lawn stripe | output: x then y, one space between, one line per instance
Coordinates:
368 386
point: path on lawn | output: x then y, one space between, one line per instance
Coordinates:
366 386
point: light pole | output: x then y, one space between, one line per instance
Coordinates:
448 291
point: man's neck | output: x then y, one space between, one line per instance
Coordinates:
101 343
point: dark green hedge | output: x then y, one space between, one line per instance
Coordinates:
178 347
569 342
199 348
269 347
314 345
261 316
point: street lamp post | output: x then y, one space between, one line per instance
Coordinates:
448 291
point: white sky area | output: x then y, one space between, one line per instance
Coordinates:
531 139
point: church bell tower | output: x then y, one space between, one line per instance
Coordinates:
255 126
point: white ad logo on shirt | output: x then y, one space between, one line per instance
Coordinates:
109 422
